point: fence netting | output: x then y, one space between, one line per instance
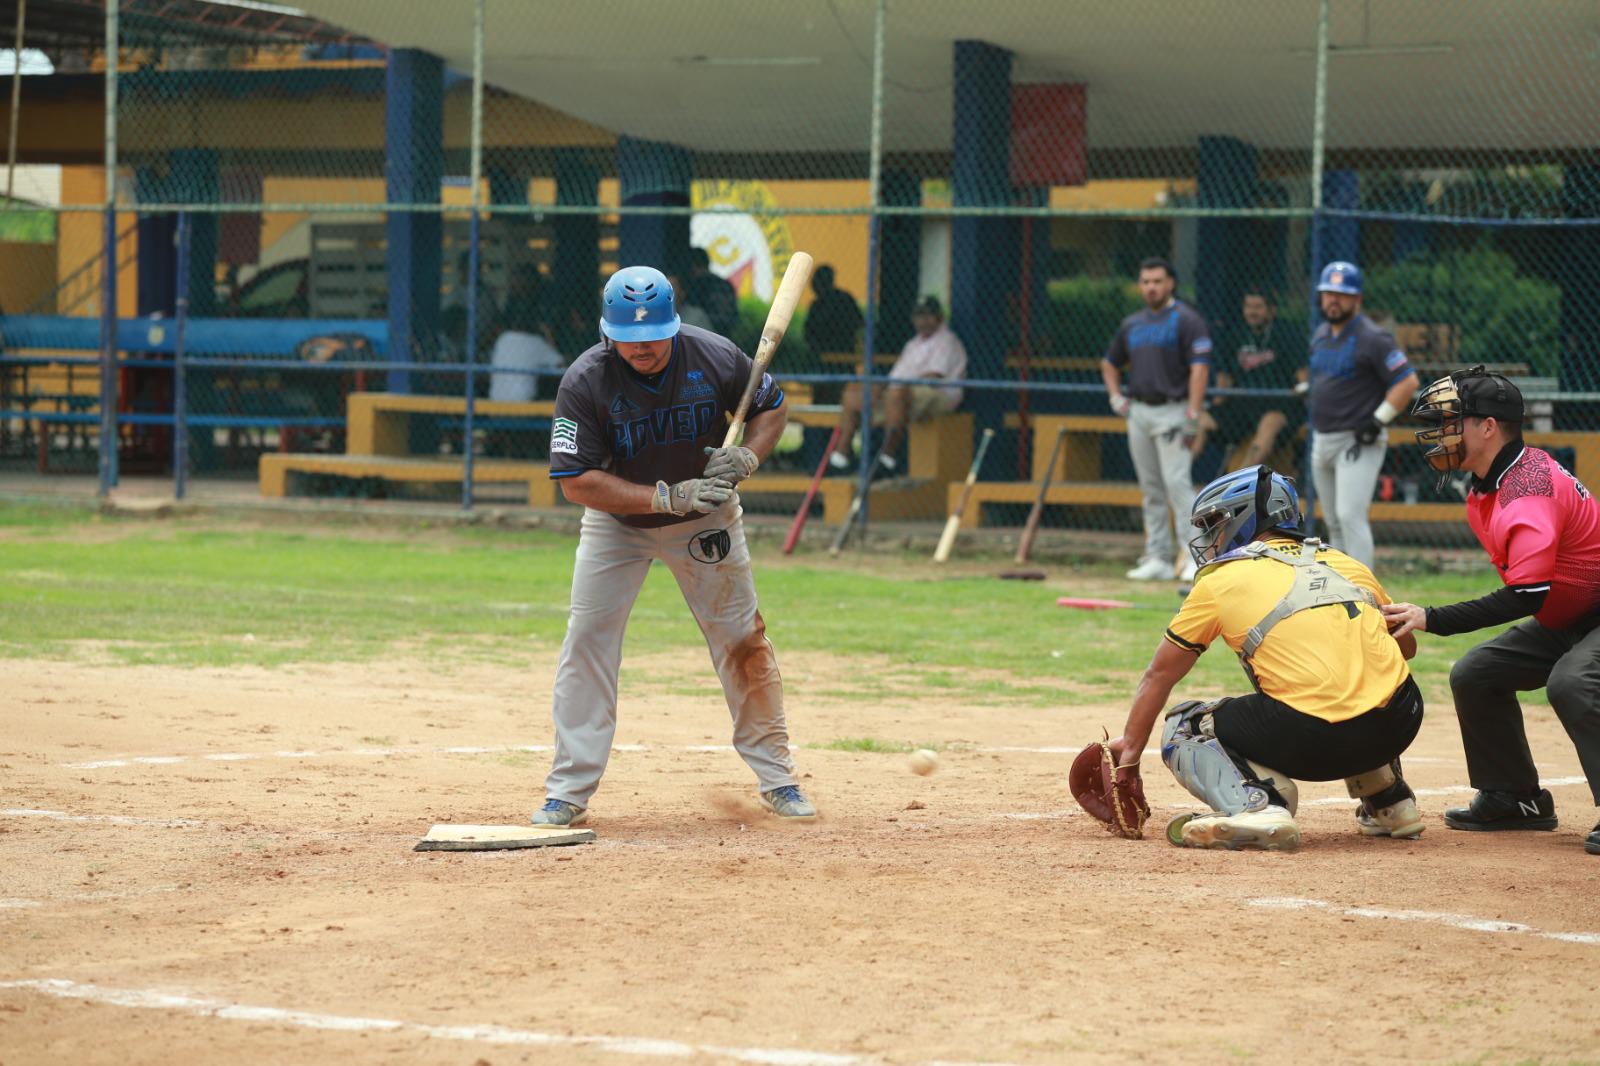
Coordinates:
1013 164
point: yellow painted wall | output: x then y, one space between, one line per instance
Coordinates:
80 239
27 273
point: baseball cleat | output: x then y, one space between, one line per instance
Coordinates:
1402 821
1494 810
560 812
1269 829
1591 843
787 801
1152 570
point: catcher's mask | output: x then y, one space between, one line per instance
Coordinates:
1448 402
1240 507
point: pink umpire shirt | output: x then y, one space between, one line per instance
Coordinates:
1541 529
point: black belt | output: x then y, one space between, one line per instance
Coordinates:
1158 400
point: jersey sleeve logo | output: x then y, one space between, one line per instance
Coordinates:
1395 360
563 437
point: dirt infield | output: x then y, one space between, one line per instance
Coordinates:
216 865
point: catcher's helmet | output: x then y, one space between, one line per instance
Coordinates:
638 305
1474 393
1340 276
1238 508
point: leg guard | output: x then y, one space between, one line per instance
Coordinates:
1225 782
1388 806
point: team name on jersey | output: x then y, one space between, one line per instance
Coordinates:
665 425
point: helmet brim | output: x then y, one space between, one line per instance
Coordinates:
1347 290
644 331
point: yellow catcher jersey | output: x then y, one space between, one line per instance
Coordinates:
1332 662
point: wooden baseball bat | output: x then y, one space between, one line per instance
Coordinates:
855 510
947 540
794 281
1025 545
801 515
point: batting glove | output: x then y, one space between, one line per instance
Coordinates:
696 494
732 465
1369 433
1120 405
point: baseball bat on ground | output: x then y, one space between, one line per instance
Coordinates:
1031 529
794 281
947 540
801 515
855 509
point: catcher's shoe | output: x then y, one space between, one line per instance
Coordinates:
560 812
1402 821
1493 810
1591 843
787 801
1270 829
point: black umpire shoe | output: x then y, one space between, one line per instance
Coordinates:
1494 810
1591 843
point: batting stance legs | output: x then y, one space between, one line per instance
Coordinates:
711 562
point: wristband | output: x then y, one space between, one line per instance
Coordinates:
1386 413
662 502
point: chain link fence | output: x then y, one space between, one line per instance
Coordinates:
415 204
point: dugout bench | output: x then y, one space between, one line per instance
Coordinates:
377 445
1078 483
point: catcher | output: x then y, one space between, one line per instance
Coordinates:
1333 695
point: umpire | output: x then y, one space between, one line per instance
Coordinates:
1166 351
1360 381
1541 529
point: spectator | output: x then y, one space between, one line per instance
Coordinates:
712 293
834 320
525 340
1360 382
1166 352
1258 353
935 352
689 312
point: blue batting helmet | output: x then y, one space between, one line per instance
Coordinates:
1238 508
1340 276
638 305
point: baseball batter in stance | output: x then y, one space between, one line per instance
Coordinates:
1541 529
1333 695
637 416
1360 382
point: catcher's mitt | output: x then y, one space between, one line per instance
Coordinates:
1112 794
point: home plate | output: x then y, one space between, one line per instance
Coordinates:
500 837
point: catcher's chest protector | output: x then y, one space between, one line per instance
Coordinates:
1316 584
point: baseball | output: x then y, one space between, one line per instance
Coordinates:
923 762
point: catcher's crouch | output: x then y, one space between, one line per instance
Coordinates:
1334 697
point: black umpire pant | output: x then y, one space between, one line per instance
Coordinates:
1486 680
1307 748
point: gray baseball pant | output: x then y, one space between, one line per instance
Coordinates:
711 562
1346 473
1162 462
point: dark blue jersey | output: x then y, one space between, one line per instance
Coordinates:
1351 373
1157 348
610 418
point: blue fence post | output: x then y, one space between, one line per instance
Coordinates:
108 352
180 401
471 356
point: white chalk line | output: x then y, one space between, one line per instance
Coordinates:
1455 921
208 1007
103 819
1451 790
465 749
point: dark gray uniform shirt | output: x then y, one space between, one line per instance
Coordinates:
608 417
1158 347
1351 373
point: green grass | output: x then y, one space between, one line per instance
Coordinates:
190 591
876 746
